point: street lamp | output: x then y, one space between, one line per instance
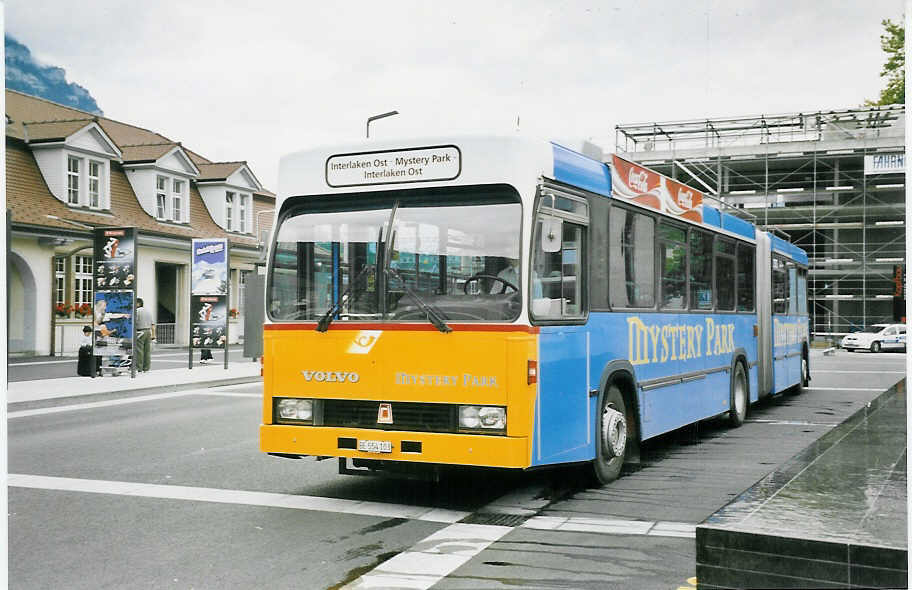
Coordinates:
375 117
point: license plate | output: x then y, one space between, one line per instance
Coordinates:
375 446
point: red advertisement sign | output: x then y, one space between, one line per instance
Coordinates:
641 185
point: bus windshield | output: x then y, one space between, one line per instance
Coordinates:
456 252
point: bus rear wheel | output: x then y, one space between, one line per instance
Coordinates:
739 398
612 430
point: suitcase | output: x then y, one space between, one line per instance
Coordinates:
86 364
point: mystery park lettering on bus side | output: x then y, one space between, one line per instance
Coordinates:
653 343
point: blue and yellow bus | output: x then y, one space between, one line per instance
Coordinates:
504 302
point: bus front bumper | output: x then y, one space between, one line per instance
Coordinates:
418 447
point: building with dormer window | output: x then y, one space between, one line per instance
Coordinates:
69 172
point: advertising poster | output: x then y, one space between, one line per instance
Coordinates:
208 314
209 295
113 306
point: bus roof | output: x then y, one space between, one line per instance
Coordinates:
375 165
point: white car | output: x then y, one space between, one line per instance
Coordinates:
876 338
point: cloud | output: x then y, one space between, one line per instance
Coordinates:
25 74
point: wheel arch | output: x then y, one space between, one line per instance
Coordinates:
740 356
622 372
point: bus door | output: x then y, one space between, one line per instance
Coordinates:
782 377
558 303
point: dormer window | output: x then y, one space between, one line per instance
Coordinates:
177 193
161 197
242 214
86 185
73 180
229 210
94 184
170 199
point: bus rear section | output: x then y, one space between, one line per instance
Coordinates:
400 393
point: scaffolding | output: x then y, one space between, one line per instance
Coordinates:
811 176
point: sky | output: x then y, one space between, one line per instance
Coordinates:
254 81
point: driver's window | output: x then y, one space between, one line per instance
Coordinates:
557 277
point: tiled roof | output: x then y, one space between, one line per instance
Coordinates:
149 152
28 197
39 131
30 201
218 170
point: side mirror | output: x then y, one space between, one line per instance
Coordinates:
551 234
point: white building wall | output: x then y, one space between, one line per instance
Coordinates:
38 260
53 168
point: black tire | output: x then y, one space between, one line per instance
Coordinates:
875 347
805 370
740 397
611 436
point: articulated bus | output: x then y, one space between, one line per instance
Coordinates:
503 302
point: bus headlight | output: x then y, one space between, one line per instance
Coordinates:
294 409
483 417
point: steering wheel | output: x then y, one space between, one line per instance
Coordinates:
503 289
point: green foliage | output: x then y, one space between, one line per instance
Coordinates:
894 70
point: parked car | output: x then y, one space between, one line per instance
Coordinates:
876 338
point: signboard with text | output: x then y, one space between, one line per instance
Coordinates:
400 166
209 280
886 163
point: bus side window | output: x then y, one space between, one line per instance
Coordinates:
701 270
673 266
746 277
560 274
631 259
725 274
802 292
780 287
793 288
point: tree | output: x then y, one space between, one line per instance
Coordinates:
893 44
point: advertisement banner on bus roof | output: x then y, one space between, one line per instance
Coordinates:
645 187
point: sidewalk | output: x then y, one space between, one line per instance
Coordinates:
159 380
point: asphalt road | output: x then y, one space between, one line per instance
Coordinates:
52 367
172 492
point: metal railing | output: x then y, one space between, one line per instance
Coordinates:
164 333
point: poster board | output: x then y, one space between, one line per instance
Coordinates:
209 292
114 298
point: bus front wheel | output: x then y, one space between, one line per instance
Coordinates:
612 431
739 398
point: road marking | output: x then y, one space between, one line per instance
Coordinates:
606 526
815 371
126 400
222 496
433 558
791 422
844 389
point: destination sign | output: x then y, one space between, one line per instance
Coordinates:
393 167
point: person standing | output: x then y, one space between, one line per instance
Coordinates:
145 334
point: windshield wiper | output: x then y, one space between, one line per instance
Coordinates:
327 318
433 315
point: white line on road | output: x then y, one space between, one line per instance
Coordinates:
126 400
222 496
578 524
815 371
433 558
844 389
